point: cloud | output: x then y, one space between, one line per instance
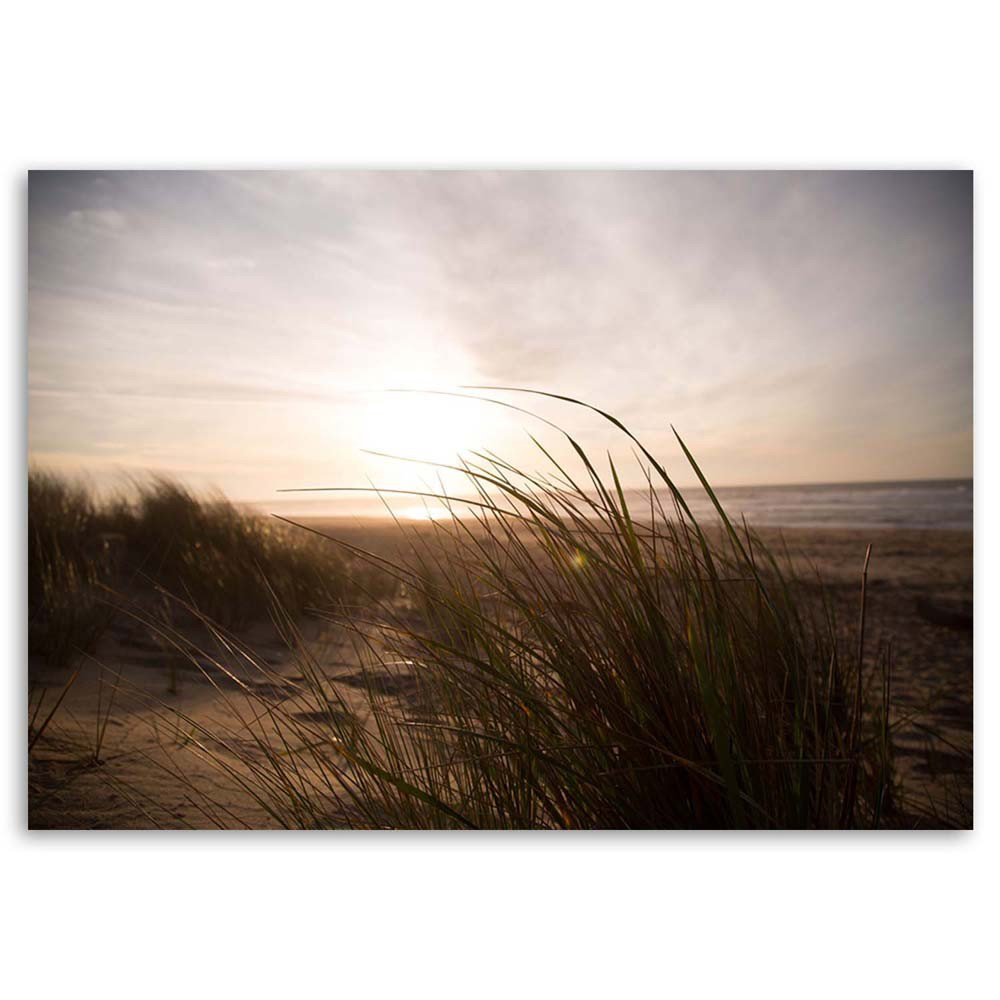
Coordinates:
99 221
789 310
234 265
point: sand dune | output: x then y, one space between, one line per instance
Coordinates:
154 769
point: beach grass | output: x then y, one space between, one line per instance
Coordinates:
561 660
87 558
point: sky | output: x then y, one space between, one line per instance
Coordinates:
241 329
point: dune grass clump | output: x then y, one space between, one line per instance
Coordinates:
85 558
229 564
569 661
67 613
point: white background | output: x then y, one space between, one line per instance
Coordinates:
546 84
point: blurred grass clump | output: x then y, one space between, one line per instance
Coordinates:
85 556
66 610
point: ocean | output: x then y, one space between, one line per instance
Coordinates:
915 505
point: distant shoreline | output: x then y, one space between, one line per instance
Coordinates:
921 505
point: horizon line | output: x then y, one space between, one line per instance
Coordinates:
375 491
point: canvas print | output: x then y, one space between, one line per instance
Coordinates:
500 500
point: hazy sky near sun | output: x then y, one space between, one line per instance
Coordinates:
238 328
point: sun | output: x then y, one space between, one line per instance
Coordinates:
415 440
422 424
416 412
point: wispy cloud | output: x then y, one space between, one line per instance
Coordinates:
794 325
99 221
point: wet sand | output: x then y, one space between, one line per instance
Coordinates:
151 768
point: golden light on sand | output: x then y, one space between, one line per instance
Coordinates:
428 513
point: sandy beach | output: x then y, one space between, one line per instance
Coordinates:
152 770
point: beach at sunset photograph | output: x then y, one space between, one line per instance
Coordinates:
479 499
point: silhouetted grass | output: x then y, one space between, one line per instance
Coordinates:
67 561
565 661
84 557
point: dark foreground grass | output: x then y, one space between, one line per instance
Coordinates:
564 661
86 558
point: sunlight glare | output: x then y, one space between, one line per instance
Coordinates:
402 417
